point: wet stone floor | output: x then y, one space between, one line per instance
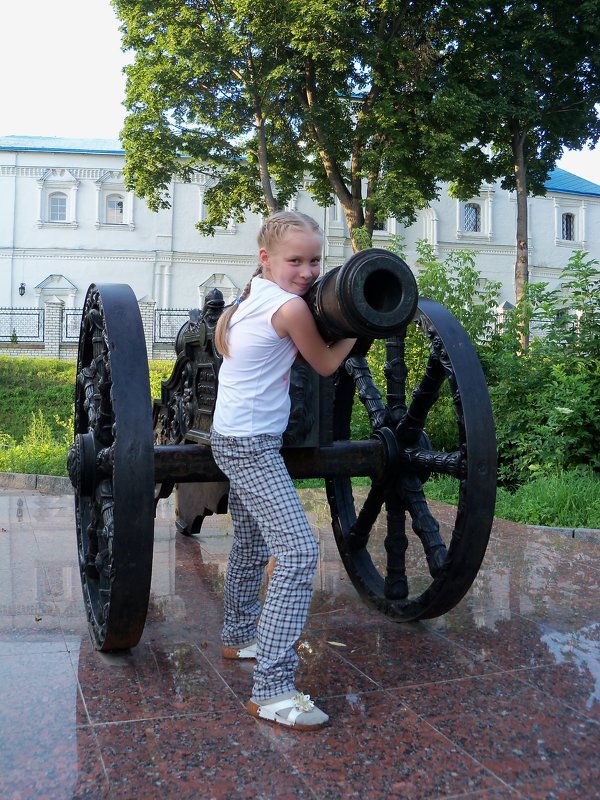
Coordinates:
498 699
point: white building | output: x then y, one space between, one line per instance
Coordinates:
66 221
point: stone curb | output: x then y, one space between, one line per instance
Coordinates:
46 484
580 534
50 484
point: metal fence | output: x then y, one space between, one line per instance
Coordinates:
25 326
71 324
21 325
167 322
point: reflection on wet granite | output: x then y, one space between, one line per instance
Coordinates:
522 735
499 698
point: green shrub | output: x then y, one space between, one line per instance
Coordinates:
36 412
547 399
28 385
39 452
159 371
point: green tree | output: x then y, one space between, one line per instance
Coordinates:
260 95
533 67
206 91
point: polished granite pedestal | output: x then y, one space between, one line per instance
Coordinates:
498 699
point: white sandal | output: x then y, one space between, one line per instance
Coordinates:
293 709
239 651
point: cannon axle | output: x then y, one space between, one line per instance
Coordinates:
194 463
190 463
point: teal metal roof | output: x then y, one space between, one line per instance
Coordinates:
56 144
559 180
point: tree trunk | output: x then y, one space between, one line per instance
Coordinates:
263 162
522 262
355 218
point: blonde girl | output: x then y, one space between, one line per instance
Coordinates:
259 338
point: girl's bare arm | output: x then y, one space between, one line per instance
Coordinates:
294 319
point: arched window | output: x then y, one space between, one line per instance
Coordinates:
115 210
57 189
472 220
568 227
114 204
57 207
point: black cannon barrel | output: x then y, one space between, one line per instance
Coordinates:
374 294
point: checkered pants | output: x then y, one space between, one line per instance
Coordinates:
268 520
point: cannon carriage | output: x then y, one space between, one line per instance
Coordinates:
128 452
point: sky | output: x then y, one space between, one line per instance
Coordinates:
61 65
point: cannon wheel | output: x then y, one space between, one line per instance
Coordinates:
112 468
445 577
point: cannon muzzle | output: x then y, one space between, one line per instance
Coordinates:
374 295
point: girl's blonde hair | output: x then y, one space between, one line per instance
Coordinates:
273 230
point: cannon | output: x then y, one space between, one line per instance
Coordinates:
128 451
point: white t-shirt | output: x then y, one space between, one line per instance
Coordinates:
254 381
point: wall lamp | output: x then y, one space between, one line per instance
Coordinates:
22 289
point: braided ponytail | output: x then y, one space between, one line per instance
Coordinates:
222 328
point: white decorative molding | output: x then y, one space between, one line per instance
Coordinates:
221 281
200 179
111 182
215 259
480 247
114 177
564 204
57 179
56 288
485 202
430 226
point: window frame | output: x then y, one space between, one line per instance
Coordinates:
568 220
57 181
110 186
116 199
467 224
576 209
485 205
61 217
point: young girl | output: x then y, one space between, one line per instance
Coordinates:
259 339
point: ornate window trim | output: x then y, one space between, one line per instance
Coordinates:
219 280
484 205
53 182
574 209
110 186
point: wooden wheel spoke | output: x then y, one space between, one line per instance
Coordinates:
360 531
415 459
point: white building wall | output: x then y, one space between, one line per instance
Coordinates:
164 258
